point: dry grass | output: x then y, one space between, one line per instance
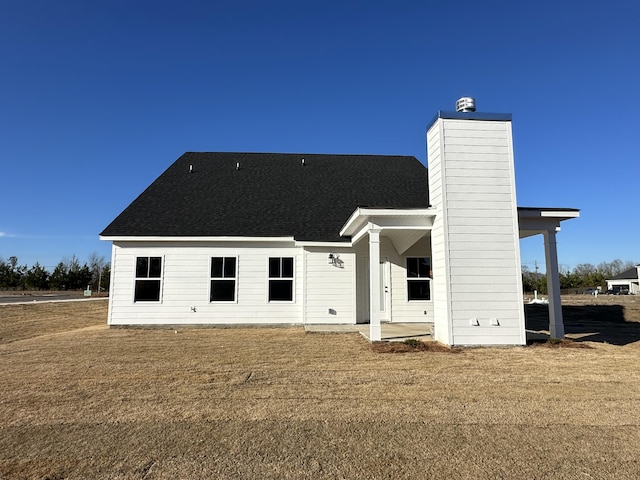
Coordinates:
82 401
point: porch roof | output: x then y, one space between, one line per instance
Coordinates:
403 227
536 220
406 226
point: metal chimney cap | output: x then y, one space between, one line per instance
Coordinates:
466 104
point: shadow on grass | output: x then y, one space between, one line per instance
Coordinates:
587 323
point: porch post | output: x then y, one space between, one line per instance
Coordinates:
556 325
375 331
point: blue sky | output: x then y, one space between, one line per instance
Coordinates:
98 98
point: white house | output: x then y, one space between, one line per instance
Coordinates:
266 238
627 280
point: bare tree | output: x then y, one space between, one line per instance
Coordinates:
97 265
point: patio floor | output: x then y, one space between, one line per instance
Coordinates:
399 332
391 332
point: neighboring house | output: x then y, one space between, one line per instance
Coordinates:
629 280
266 238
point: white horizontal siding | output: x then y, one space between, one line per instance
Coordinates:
501 228
495 196
437 197
477 235
467 189
472 128
478 163
479 181
498 243
330 290
186 283
475 151
461 217
472 173
476 262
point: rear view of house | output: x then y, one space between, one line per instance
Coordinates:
265 238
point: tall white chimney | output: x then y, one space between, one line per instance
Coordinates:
477 282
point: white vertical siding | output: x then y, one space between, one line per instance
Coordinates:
476 234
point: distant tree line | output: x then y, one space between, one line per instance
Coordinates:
585 275
69 274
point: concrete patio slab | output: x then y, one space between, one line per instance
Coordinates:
391 332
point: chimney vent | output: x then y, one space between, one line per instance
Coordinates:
466 104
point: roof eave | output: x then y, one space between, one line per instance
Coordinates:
157 238
362 215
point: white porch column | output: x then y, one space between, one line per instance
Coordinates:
556 325
375 331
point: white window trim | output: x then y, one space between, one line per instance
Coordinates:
136 278
235 278
409 279
292 278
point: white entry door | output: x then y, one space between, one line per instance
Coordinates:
385 290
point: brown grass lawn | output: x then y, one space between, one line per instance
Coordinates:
80 400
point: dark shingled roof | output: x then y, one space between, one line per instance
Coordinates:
271 195
630 274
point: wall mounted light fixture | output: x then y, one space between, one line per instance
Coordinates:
334 259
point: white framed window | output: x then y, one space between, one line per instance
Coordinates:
281 279
224 279
148 279
418 278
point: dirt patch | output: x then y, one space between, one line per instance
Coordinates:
276 403
410 346
560 343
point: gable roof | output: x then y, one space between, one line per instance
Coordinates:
270 195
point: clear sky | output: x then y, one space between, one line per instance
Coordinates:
98 98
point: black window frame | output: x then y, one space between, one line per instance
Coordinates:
281 275
224 275
419 276
148 279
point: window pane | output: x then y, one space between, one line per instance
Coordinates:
142 267
216 266
287 267
280 290
155 267
424 267
419 290
230 267
412 267
223 290
274 267
147 291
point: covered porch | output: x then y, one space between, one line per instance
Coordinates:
404 228
546 222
